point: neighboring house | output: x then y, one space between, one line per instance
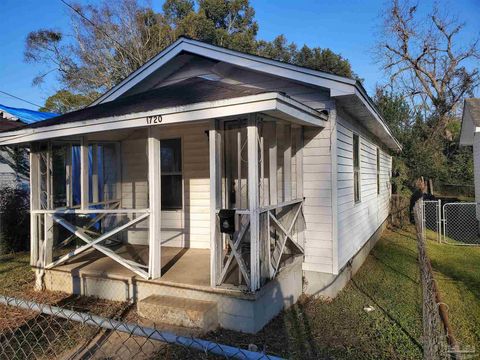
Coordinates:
10 119
470 136
229 184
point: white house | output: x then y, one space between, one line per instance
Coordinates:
470 136
211 177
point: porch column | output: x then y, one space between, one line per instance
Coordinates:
155 205
214 140
34 202
287 163
48 222
272 161
68 175
84 173
95 197
253 201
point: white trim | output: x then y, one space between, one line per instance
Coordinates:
279 105
155 205
338 85
253 202
334 193
84 186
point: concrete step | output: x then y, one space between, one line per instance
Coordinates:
179 311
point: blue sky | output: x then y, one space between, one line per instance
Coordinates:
346 27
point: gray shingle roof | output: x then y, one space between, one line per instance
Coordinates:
190 91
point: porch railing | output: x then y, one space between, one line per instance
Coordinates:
278 228
91 237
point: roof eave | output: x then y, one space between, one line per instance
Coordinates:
272 103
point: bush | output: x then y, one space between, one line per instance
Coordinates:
14 220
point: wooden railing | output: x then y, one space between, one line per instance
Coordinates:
85 234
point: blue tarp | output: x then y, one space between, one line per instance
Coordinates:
31 116
27 116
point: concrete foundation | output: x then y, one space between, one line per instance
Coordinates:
329 285
179 311
186 275
236 310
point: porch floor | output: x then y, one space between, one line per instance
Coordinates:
179 265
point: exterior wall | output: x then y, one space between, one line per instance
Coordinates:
476 169
357 222
189 227
317 190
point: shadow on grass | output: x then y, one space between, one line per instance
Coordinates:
388 315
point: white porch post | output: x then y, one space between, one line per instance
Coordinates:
34 202
68 175
253 201
47 222
215 201
155 205
83 173
272 162
287 163
95 197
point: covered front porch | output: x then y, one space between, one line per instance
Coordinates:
205 196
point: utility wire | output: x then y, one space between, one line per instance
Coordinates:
96 27
19 98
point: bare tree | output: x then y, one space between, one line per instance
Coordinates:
424 59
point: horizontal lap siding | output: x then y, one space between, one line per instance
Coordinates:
317 182
189 227
358 222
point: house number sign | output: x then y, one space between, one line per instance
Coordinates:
154 119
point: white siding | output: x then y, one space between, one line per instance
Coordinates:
317 182
358 221
476 169
189 227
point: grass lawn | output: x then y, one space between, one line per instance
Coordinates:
341 328
457 272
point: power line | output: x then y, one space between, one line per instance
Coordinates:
95 26
19 98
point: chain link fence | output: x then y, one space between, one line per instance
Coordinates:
39 331
435 338
460 224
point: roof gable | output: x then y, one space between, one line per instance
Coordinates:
344 89
470 121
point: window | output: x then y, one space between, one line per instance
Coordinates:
171 163
356 168
378 171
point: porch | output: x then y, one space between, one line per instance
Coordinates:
201 201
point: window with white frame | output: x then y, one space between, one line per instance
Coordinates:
171 163
356 168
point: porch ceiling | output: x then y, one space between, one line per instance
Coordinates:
189 100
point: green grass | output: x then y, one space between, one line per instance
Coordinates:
457 272
340 328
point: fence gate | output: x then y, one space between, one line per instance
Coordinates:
432 218
460 224
453 223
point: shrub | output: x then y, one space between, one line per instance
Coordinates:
14 220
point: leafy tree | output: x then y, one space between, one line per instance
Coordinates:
313 58
15 221
64 101
112 39
426 60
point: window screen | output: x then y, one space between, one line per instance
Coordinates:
356 168
171 162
